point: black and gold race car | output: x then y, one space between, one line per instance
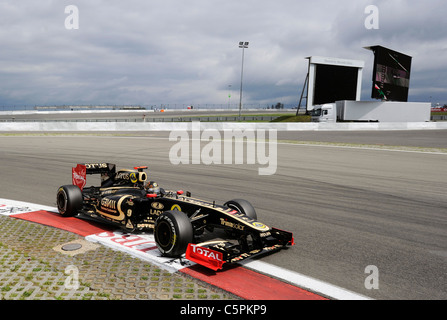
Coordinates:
207 233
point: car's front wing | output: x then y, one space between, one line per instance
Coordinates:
214 254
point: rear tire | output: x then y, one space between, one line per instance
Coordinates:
173 232
242 206
69 200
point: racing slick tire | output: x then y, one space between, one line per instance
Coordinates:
242 206
69 200
173 232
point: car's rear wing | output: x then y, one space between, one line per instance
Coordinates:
79 173
95 168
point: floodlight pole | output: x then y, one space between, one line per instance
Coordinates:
243 45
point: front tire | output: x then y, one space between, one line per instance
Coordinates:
173 232
242 206
69 200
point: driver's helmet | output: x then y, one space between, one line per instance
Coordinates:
152 187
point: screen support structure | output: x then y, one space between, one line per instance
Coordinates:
306 83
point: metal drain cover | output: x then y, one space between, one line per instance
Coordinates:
71 246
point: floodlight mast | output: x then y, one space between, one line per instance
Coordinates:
243 45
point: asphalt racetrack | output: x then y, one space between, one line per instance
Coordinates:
351 207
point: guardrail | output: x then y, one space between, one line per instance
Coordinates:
157 119
212 119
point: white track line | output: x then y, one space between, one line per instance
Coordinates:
303 281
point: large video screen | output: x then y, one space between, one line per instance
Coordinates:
391 74
333 83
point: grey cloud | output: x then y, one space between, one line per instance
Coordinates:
178 52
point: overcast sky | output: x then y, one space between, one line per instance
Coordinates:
186 52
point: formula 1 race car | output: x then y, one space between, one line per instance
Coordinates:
207 233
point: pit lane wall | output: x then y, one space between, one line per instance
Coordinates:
171 126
